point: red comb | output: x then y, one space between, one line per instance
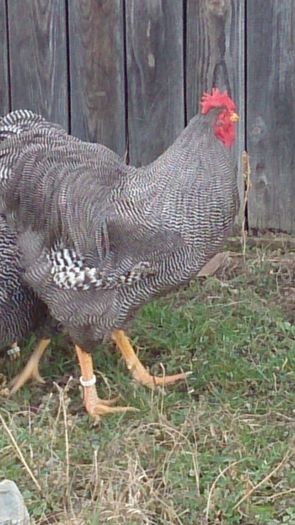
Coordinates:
216 99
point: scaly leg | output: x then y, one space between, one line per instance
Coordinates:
94 405
137 370
31 370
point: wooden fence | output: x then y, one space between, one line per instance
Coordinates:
129 74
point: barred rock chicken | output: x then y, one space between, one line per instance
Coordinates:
20 309
100 238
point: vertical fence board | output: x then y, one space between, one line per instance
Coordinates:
97 71
271 113
161 40
4 84
38 57
216 58
154 30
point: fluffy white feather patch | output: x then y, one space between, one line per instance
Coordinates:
70 272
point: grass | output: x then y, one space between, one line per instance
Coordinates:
218 450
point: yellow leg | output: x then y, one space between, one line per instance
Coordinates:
139 373
95 406
31 370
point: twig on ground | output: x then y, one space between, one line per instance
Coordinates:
212 488
280 494
264 480
19 453
271 242
61 392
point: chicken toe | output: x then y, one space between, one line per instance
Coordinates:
95 406
31 370
139 373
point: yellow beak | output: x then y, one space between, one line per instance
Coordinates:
234 117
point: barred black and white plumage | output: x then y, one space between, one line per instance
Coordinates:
100 238
20 309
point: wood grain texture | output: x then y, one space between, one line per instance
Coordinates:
154 30
4 84
38 57
271 113
97 71
216 58
35 64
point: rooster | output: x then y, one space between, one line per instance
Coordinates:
100 238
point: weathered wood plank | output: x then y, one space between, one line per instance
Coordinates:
155 76
216 58
97 71
4 84
38 57
271 113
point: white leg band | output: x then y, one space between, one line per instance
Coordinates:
90 382
14 350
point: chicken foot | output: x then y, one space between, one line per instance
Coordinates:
139 373
31 370
95 406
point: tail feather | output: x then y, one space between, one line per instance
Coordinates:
18 122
